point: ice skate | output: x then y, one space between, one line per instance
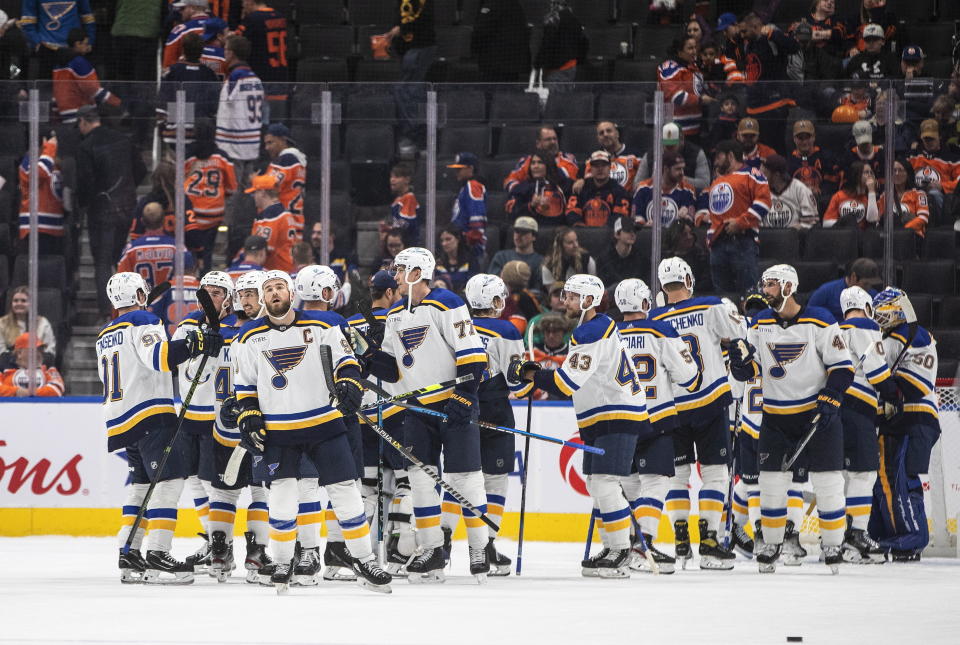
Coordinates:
712 554
588 567
832 557
221 556
338 563
860 548
499 563
741 542
427 567
371 576
479 564
200 559
256 559
281 576
793 551
905 556
615 564
447 544
306 573
767 554
160 565
682 542
396 561
132 566
664 563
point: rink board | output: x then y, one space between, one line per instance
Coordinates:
56 477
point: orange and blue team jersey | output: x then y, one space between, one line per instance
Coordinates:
913 202
50 194
173 47
51 22
75 85
742 195
213 57
237 269
941 166
566 164
682 85
151 256
470 215
208 182
406 214
849 206
282 229
13 378
174 304
290 169
682 196
757 156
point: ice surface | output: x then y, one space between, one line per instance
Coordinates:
67 590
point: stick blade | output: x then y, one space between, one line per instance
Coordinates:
232 471
209 311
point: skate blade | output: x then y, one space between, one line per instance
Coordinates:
155 577
131 577
589 573
431 578
767 568
792 562
282 588
746 554
336 574
621 573
834 569
481 578
683 560
385 589
306 580
498 571
712 564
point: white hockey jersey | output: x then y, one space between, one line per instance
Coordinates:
503 343
137 384
703 324
917 373
660 360
280 366
599 376
358 322
751 408
863 337
795 357
240 114
432 342
199 417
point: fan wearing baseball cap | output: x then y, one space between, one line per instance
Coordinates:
470 210
281 228
16 381
598 200
809 163
873 62
937 167
748 134
864 151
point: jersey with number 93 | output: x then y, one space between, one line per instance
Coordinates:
137 386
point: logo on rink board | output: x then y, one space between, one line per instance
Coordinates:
570 469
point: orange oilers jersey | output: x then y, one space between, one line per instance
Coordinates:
743 195
682 85
843 204
151 256
282 229
207 183
48 380
50 194
566 164
623 169
913 204
940 166
756 157
290 169
734 73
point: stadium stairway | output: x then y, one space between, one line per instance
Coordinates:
80 359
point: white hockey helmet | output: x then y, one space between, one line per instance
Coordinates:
275 274
856 298
218 279
585 285
675 270
416 257
312 280
123 289
891 307
632 296
784 274
249 280
483 289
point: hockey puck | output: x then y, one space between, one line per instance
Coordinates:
794 639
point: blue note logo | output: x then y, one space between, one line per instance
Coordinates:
784 354
411 338
282 360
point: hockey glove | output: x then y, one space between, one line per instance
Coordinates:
459 409
229 412
204 342
521 371
828 404
740 352
349 396
253 432
375 332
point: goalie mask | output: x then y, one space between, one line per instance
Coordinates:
890 308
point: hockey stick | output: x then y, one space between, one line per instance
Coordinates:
590 525
213 320
366 309
158 291
326 357
644 547
728 505
526 459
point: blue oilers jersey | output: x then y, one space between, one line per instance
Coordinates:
863 337
917 373
137 385
503 343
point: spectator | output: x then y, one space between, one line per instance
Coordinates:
200 86
864 151
302 255
680 240
766 50
281 228
855 204
209 179
565 258
937 169
391 245
677 195
698 29
828 33
792 203
215 36
904 131
288 165
809 163
501 41
540 193
554 343
552 304
694 158
470 210
240 107
598 201
862 272
563 44
136 28
525 231
175 303
14 323
910 208
944 111
109 168
872 12
16 380
194 15
813 62
75 81
917 86
413 39
162 191
522 304
549 145
874 62
254 257
624 163
266 29
46 26
405 212
343 259
50 216
680 80
623 258
152 254
455 263
748 133
731 42
738 200
717 69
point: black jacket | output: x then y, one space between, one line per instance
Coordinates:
501 41
612 269
109 168
415 18
563 40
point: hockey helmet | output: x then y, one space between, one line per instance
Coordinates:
890 308
753 302
123 289
675 270
585 285
275 274
482 291
856 298
312 280
784 274
415 257
633 295
218 279
249 280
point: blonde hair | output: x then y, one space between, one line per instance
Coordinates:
8 323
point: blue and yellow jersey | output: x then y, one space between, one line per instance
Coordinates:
916 375
359 322
503 343
863 337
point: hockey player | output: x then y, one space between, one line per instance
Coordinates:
806 368
135 359
609 402
279 383
901 524
662 362
429 337
703 323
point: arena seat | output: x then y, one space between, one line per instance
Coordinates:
653 42
373 107
930 276
904 245
949 313
836 244
579 140
516 140
948 343
940 244
329 12
52 272
813 274
378 71
624 108
610 42
330 41
464 138
369 12
780 243
463 106
364 141
453 42
923 307
569 107
514 107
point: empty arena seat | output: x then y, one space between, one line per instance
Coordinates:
363 141
813 274
948 343
930 276
923 307
464 138
780 243
52 271
378 71
904 245
949 313
567 107
622 107
331 41
463 106
516 140
514 107
836 244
